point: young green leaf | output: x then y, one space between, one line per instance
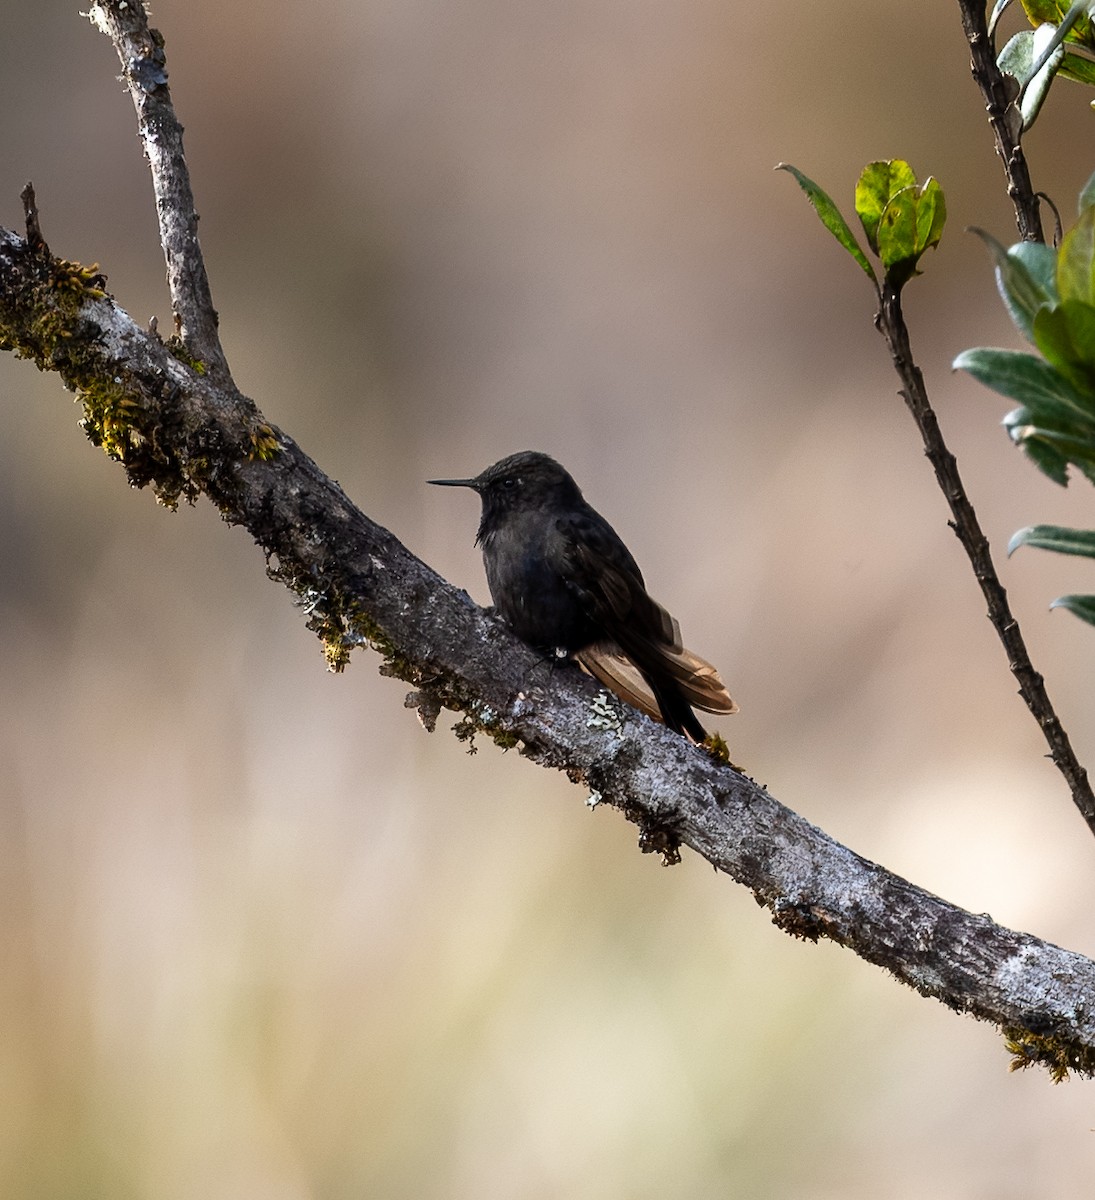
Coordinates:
878 184
1066 336
931 215
897 230
1055 537
831 218
911 219
1076 260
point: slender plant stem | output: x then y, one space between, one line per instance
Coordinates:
1000 93
891 324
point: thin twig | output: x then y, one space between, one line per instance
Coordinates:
144 69
1000 93
30 215
891 324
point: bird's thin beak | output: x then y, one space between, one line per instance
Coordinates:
470 483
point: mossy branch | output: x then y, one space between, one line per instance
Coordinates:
178 431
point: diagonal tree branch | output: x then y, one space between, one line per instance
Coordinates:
186 431
183 434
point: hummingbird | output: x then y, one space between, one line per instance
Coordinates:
563 580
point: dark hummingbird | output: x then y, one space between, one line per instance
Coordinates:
565 583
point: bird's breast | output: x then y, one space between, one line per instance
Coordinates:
528 584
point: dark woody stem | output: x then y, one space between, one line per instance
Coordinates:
1000 93
891 324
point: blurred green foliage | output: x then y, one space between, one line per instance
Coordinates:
1050 296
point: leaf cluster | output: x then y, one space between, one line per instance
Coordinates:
1061 42
900 218
1050 296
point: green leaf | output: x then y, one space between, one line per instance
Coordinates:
1017 57
901 220
1026 281
876 188
1059 12
1050 447
831 218
1080 606
1049 460
912 222
1077 68
1030 380
931 215
1021 57
1055 537
897 229
1076 260
997 12
1040 261
1066 336
1043 10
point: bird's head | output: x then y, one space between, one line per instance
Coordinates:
525 481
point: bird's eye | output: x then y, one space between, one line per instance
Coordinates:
510 482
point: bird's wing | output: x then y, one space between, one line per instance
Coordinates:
598 567
601 570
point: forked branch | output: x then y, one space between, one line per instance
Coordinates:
144 69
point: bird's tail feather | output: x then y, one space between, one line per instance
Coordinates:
619 675
696 679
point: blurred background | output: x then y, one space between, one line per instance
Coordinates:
264 937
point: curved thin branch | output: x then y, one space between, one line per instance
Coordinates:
891 324
1000 95
144 70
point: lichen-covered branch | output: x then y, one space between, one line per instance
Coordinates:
178 431
144 69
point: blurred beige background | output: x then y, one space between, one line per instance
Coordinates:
262 936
